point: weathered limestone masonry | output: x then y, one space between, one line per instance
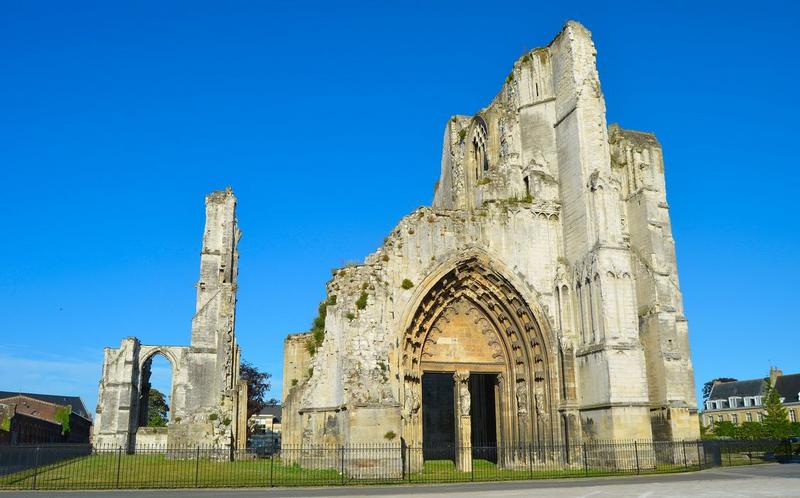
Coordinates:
538 296
207 396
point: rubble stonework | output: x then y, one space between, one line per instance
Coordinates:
546 261
206 395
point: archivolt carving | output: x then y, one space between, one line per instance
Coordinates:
512 329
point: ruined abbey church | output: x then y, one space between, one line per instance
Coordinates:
536 301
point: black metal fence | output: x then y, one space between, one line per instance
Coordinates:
87 467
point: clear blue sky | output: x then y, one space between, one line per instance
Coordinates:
116 118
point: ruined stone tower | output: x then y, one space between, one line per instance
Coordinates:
536 301
207 396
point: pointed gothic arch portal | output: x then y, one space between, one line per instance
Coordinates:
475 327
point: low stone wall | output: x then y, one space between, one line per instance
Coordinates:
151 437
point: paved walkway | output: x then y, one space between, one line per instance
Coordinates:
772 480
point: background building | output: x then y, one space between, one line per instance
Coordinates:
28 418
266 427
743 400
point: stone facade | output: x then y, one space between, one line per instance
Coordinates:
208 401
545 269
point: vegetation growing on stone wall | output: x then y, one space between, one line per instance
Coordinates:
294 382
62 417
390 435
350 316
5 423
407 284
362 301
462 134
226 421
318 325
385 258
213 417
484 181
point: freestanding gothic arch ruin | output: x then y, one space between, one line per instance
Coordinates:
536 301
208 401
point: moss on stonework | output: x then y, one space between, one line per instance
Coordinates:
318 325
362 301
462 133
407 284
484 181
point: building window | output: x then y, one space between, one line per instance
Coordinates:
760 416
792 416
735 419
749 416
719 418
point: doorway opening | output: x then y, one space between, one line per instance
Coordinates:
438 416
484 416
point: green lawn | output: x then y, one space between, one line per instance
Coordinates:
112 470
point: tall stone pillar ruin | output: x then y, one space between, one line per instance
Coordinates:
207 397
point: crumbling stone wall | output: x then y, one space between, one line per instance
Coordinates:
569 223
205 401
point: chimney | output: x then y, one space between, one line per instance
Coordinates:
774 373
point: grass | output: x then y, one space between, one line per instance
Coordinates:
119 470
110 470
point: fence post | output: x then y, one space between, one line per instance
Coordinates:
197 467
585 461
342 450
636 450
530 460
35 466
119 464
471 464
700 462
729 455
271 469
685 462
408 459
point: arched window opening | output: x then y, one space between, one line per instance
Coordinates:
155 393
480 160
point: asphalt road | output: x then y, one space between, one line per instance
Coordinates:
772 480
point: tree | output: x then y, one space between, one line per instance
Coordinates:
724 429
776 420
258 384
157 409
708 385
